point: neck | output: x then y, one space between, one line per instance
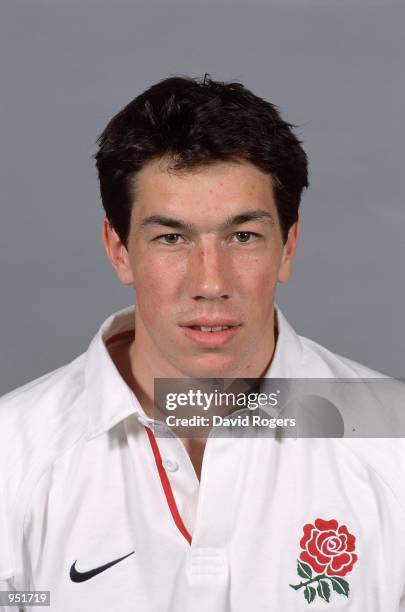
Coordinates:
139 374
139 367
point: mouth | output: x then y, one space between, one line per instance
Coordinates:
210 335
211 328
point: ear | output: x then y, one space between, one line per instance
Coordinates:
289 249
116 252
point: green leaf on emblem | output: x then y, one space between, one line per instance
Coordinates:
340 586
309 594
323 590
304 570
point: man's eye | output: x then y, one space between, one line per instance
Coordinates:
244 236
169 238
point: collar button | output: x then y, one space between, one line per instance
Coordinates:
170 465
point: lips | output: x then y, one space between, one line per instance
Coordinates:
211 333
214 322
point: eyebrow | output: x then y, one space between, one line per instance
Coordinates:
249 215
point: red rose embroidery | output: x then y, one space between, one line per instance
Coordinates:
328 548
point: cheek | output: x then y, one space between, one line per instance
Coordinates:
154 283
260 280
153 289
150 302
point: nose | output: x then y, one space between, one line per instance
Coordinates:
210 272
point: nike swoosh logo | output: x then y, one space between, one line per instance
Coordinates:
76 576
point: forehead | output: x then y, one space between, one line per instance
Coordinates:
220 189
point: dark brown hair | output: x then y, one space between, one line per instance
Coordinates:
196 122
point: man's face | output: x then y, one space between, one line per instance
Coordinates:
205 251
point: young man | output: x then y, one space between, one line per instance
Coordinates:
201 183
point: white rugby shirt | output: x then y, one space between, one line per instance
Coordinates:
85 483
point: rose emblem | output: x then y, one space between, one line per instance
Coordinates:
328 550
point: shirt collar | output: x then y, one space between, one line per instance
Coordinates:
288 354
110 400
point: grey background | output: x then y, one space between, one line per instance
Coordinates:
334 68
